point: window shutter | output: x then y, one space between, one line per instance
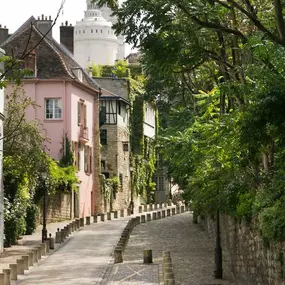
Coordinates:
90 160
79 113
85 159
85 116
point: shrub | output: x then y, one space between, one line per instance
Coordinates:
31 219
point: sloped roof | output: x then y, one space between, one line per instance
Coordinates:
53 60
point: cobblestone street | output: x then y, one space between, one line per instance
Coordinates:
192 252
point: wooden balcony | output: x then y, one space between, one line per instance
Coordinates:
83 134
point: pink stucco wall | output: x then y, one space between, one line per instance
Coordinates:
57 128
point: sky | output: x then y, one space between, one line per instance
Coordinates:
16 12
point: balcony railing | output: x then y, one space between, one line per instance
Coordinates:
83 134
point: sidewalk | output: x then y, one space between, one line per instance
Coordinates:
11 254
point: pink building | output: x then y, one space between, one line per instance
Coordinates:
68 105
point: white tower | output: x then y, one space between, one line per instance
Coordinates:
94 39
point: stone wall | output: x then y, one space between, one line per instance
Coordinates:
245 254
58 208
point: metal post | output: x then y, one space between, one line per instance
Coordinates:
44 230
218 273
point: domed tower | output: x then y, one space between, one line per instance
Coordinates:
94 39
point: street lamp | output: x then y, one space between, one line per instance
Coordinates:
44 230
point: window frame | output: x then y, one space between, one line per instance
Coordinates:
53 108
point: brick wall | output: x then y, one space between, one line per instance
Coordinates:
245 254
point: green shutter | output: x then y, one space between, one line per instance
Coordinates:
85 116
85 159
79 113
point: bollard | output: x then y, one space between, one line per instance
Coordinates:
51 242
44 249
142 219
35 254
178 210
173 211
182 209
39 252
2 278
160 205
20 266
13 268
118 255
7 276
140 209
69 228
58 236
148 217
88 220
77 223
165 204
95 219
150 207
147 256
122 213
155 206
47 245
109 218
115 214
62 235
145 208
163 214
81 222
31 258
159 215
168 212
138 220
169 202
154 216
26 262
102 217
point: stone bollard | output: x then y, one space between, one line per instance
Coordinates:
155 206
115 214
163 214
145 208
148 217
26 262
154 216
165 204
44 249
81 223
169 202
58 236
182 209
2 278
51 242
88 221
47 245
31 258
68 228
147 256
173 211
95 219
150 207
142 219
178 210
140 209
14 270
160 205
65 234
102 217
20 266
35 254
159 215
7 276
122 213
118 255
39 252
168 212
138 220
109 218
77 223
62 235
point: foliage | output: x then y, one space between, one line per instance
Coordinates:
31 219
110 187
67 158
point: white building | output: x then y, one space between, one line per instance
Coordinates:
95 41
1 159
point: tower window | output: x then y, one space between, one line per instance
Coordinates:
101 31
91 31
96 31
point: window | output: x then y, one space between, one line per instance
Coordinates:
121 179
101 31
103 137
125 146
103 164
106 174
81 113
87 159
91 31
53 108
119 107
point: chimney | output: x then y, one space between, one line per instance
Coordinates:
66 36
31 63
44 24
4 35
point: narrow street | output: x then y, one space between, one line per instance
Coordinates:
86 257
